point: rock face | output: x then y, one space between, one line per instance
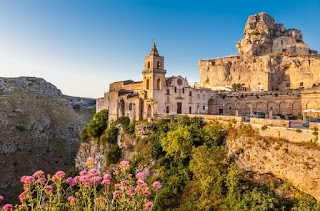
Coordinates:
295 164
39 129
270 58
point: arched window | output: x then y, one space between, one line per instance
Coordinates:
148 65
158 65
159 84
148 84
149 111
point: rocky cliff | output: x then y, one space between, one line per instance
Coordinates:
296 164
270 58
39 129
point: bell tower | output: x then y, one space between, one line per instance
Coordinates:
153 79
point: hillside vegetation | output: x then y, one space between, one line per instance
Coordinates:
190 159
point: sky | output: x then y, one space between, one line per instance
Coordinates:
82 46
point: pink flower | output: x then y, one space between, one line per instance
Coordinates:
117 186
146 193
27 179
7 207
77 178
41 180
72 200
1 198
131 192
59 175
124 164
87 182
156 185
38 174
140 182
93 172
22 197
96 179
140 176
48 189
124 182
148 205
105 182
107 177
70 181
83 173
116 194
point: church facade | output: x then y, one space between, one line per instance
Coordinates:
156 95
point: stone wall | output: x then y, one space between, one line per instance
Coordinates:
270 122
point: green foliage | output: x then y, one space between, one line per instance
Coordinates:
113 154
264 127
98 124
124 121
111 135
84 135
213 134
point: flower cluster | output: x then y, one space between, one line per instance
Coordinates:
90 190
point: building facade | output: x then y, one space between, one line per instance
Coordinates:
156 94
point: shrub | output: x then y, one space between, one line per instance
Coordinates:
113 154
20 128
84 135
98 124
264 127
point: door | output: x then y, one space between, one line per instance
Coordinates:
179 108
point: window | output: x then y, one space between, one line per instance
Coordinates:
159 84
281 42
183 90
190 109
190 93
175 89
301 83
203 108
204 96
287 85
158 65
179 81
148 84
148 65
167 110
168 91
198 96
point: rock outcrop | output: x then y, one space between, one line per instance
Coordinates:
270 58
39 129
296 164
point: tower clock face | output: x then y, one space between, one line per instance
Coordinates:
179 81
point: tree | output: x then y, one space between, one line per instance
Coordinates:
98 124
237 86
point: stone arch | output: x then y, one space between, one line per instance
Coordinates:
158 65
122 107
149 111
149 65
312 104
296 108
148 84
211 107
248 108
283 108
260 107
272 106
159 85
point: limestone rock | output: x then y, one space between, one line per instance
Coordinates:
295 164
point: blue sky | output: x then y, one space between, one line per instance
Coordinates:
83 45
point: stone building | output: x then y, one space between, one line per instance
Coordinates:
156 94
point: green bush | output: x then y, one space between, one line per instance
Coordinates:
84 135
113 154
112 134
20 128
98 124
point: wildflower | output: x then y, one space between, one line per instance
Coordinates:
70 181
41 180
146 193
87 182
107 177
83 173
140 176
27 179
72 200
7 207
116 194
148 205
58 176
132 192
38 174
77 178
1 198
124 182
156 185
96 179
22 197
117 186
90 162
93 172
124 164
105 182
48 189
